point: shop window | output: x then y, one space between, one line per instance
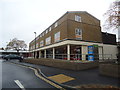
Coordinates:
49 53
77 18
48 40
57 37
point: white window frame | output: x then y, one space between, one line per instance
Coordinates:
77 18
57 36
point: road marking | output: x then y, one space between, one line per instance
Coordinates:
41 77
61 78
19 84
38 75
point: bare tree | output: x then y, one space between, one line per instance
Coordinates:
16 45
112 16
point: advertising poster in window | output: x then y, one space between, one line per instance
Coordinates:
90 52
90 57
90 49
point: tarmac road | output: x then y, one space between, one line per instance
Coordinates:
26 76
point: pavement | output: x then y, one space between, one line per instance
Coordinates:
74 78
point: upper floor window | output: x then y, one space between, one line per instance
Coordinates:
77 18
78 33
56 24
43 34
57 37
33 46
48 40
41 43
46 31
50 29
37 45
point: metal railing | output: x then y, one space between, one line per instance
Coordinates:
81 56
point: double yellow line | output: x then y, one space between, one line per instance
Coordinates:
41 77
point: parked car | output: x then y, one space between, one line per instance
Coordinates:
13 56
2 56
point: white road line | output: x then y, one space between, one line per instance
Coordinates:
19 84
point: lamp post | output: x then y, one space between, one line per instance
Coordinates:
35 45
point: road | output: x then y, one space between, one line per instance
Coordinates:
11 72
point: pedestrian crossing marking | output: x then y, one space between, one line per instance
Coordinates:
61 78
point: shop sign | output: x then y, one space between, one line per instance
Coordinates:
95 45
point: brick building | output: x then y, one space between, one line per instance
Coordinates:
74 36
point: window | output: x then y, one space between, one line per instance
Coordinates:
57 37
33 46
41 43
46 31
56 24
77 18
43 34
37 45
48 40
50 29
78 33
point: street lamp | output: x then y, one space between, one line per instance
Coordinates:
35 44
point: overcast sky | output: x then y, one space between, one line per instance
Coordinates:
21 18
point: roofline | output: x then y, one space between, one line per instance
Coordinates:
83 12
